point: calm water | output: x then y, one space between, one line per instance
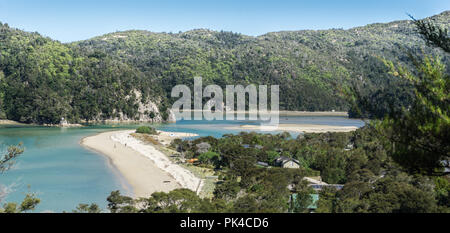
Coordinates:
64 174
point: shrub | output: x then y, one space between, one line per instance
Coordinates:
209 157
146 130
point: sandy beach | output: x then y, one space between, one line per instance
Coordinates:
145 168
299 128
11 123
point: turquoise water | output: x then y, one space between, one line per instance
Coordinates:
64 174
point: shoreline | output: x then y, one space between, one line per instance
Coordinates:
289 113
77 125
298 128
110 164
16 123
145 169
12 123
282 113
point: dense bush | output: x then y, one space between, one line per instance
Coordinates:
373 182
146 130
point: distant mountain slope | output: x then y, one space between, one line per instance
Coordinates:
117 74
42 81
307 64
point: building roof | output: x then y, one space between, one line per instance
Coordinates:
314 181
262 164
283 160
315 200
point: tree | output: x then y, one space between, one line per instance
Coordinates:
2 113
88 209
246 204
209 158
302 198
6 162
227 190
120 204
393 196
29 203
433 35
442 191
152 115
420 134
327 200
416 137
176 201
272 156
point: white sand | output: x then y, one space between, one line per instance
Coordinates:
299 128
145 168
9 122
184 177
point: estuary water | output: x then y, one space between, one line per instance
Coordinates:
63 174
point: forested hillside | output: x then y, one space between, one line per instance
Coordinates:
43 80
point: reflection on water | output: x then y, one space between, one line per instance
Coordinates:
64 174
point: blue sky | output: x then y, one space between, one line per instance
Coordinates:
70 20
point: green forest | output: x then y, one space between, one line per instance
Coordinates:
398 163
373 181
43 80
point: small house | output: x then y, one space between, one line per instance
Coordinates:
63 122
286 162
